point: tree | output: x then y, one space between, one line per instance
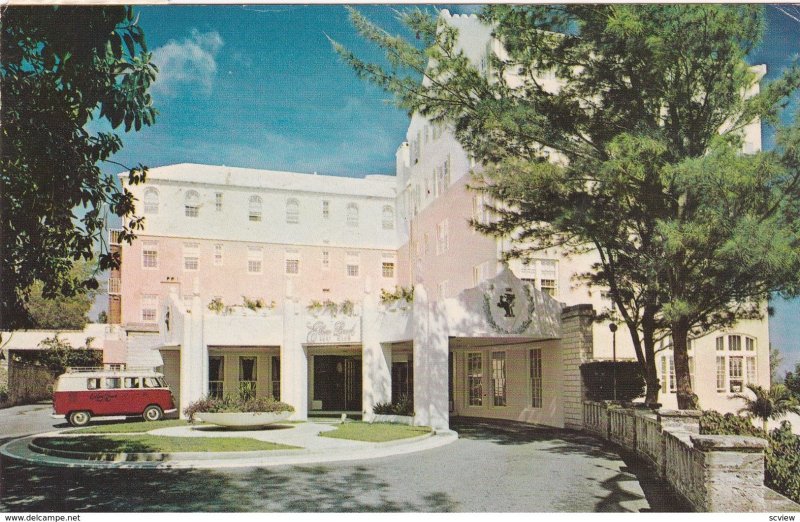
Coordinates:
102 317
635 155
768 404
775 362
62 67
62 312
792 381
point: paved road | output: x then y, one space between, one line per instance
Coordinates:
505 467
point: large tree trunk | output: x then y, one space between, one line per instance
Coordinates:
680 334
649 368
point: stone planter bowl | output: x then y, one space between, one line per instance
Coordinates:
243 419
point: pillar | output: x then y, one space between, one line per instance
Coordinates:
431 345
576 348
376 359
294 363
194 354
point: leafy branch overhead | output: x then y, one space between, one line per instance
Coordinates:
64 68
619 130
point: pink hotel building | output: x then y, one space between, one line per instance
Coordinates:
271 282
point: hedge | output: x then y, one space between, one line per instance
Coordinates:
598 378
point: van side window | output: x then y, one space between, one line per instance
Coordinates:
113 383
131 382
92 383
151 382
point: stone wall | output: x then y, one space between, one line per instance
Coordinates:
714 473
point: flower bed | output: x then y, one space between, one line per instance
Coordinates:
239 411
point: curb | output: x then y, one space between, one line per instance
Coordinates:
23 450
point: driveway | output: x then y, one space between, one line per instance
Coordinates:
494 466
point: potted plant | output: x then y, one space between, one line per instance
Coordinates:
238 411
399 412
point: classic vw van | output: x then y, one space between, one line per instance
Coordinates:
83 393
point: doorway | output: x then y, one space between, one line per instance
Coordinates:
337 382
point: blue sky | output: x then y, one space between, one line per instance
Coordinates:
260 86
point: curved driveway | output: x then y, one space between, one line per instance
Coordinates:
506 467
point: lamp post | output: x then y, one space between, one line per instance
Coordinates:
613 328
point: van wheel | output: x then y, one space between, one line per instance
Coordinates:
152 413
79 418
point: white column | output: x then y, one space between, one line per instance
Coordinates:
431 346
376 360
194 355
294 364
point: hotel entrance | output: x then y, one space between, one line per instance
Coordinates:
337 383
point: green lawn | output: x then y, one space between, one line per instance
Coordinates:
132 427
378 432
155 444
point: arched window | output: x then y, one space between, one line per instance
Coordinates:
388 218
292 211
192 204
352 215
151 201
255 208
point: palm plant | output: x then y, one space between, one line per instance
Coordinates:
768 404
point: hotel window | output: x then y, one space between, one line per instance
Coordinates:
737 366
443 289
720 374
387 269
548 273
255 257
352 262
536 377
191 256
216 375
668 381
388 218
151 201
114 285
442 240
149 254
326 209
475 379
499 378
292 263
292 211
276 377
352 215
218 201
254 208
526 271
191 204
218 250
149 308
326 260
247 377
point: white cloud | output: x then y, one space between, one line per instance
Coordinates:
188 64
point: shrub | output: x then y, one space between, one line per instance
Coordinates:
598 377
783 450
216 305
3 395
403 406
236 404
399 292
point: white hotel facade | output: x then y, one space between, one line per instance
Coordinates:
479 338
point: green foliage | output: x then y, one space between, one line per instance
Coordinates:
783 462
102 317
3 395
792 381
216 305
346 307
783 450
768 404
598 377
378 432
400 292
155 444
254 304
58 355
236 404
62 67
647 129
62 312
775 362
403 406
715 423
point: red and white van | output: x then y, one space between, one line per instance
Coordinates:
83 393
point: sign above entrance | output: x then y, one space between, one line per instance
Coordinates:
326 330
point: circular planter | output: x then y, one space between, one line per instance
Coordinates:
243 419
